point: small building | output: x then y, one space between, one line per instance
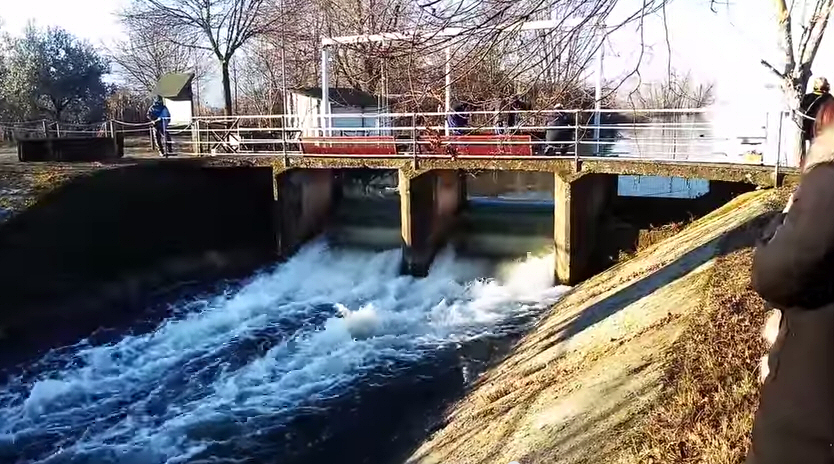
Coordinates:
176 93
362 108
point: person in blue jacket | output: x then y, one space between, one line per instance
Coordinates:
458 120
160 117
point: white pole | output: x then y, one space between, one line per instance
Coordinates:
325 89
448 87
598 92
284 97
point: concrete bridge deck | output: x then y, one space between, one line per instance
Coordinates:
567 167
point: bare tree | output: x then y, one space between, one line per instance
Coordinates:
677 91
798 55
362 65
260 80
126 105
221 27
146 54
489 56
487 61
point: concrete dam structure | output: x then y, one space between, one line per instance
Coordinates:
128 215
274 205
433 200
431 213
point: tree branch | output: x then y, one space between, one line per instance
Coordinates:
773 69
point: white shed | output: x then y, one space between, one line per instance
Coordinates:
175 90
363 108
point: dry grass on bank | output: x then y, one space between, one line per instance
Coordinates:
651 236
654 235
710 385
652 361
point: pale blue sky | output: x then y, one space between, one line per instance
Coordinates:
724 47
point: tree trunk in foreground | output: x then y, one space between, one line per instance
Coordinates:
227 87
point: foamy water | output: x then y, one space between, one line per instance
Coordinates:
227 369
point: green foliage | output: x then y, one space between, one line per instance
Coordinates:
50 73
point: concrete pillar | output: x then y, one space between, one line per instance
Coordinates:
579 210
303 202
429 206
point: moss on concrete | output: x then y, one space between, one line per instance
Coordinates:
21 185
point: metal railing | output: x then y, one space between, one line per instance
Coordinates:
647 134
656 135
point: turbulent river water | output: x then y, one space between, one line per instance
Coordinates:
329 357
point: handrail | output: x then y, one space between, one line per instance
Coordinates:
681 133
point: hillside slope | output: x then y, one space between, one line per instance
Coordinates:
576 387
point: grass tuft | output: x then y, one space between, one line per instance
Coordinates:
710 384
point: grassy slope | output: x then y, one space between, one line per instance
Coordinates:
710 386
619 370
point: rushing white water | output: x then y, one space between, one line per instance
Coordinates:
228 367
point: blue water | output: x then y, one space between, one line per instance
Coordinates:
290 367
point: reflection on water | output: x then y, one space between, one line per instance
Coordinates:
657 186
511 185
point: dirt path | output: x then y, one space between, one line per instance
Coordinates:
571 386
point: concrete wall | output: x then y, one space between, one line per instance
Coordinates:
304 200
145 226
429 204
577 227
70 149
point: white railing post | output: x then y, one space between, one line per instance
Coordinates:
448 94
779 145
284 139
598 92
414 137
325 91
576 140
197 144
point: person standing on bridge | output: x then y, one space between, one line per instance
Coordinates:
159 115
513 117
498 122
556 132
505 125
458 120
792 271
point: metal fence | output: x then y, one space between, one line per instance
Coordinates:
659 135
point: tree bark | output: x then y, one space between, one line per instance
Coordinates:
793 90
227 87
